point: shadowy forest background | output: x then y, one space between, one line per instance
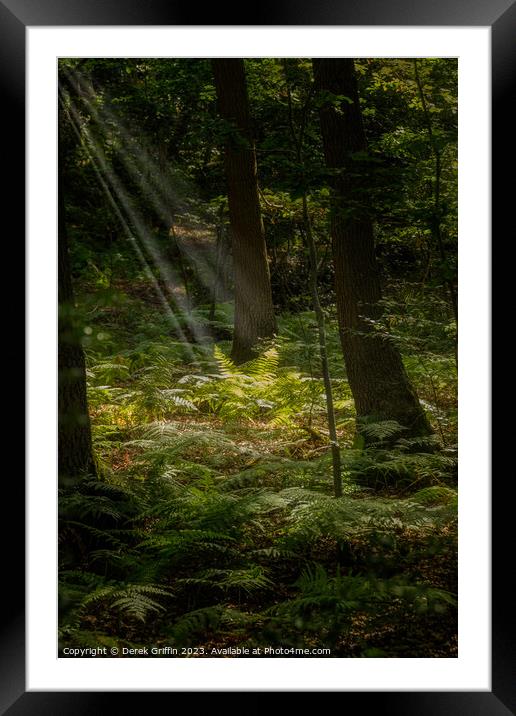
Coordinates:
257 355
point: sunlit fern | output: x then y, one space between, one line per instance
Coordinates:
312 515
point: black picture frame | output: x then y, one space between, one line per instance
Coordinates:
15 16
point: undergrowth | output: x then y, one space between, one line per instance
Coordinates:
212 523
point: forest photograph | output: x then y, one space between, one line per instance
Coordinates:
257 357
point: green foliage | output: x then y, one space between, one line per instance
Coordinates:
401 466
134 601
213 521
312 516
259 389
437 495
194 626
325 605
345 594
217 494
193 543
247 580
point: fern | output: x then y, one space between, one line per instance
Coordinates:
226 367
379 432
173 394
134 600
264 368
217 490
342 594
108 372
248 580
313 515
201 622
94 506
259 388
436 495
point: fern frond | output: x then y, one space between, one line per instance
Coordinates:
264 368
249 579
225 365
133 600
382 430
435 495
206 620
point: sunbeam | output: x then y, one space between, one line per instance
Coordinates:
159 187
257 388
114 191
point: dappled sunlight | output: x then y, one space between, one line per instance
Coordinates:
166 193
269 453
140 237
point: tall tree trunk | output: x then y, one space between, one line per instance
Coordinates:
254 312
75 455
377 377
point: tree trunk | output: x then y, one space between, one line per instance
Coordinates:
254 312
75 455
377 377
323 353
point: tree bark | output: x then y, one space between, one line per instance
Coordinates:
75 454
254 311
377 377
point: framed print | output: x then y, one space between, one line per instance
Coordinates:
253 479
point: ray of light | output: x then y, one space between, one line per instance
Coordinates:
117 196
159 187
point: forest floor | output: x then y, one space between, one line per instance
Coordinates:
213 525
